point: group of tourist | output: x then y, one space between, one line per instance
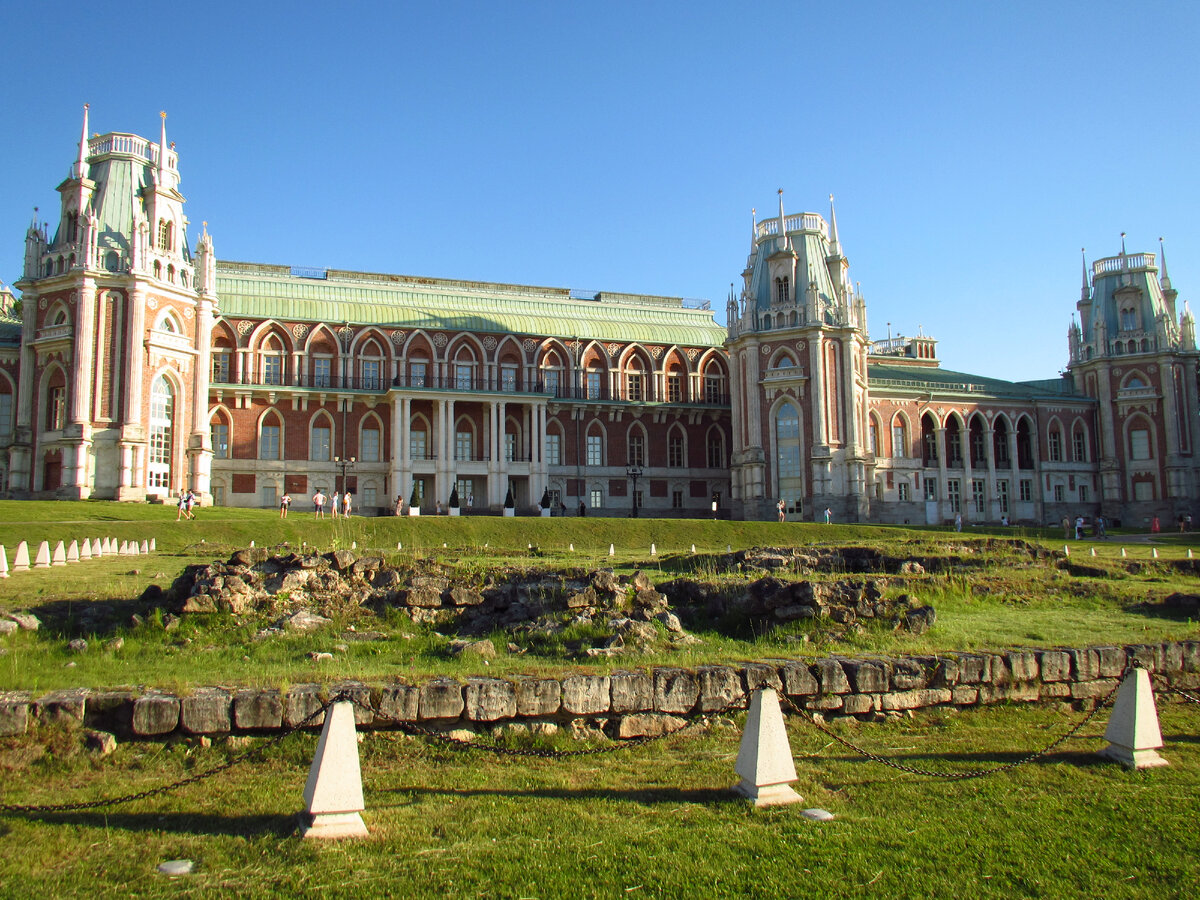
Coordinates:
1079 525
339 504
187 502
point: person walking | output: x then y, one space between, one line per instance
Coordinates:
958 521
347 504
284 502
1079 528
334 503
1100 526
1155 525
182 510
319 504
191 503
582 509
828 515
399 508
782 510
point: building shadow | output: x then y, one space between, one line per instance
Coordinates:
199 824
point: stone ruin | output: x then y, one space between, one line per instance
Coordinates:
622 613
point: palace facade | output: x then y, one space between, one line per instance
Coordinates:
141 366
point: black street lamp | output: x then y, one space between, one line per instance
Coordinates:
344 464
634 471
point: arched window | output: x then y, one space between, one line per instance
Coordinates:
636 447
1000 444
320 439
676 449
552 379
1079 443
369 440
270 436
675 384
272 361
157 269
783 292
1024 444
872 435
899 437
783 361
220 436
162 417
1054 448
595 446
714 448
164 235
977 438
1128 319
954 447
790 475
714 384
112 261
635 381
929 441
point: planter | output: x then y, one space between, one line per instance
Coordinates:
414 510
454 511
545 513
509 511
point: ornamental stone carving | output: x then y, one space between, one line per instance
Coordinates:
189 313
151 302
244 326
440 340
397 338
299 332
692 352
656 352
489 342
530 345
766 351
613 350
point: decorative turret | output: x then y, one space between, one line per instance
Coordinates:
35 246
206 265
1187 330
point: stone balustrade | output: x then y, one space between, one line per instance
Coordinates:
625 703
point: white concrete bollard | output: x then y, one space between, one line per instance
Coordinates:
43 556
73 552
399 546
3 562
124 549
60 555
21 560
1066 550
153 543
1133 734
612 550
1093 551
97 547
765 758
653 550
145 546
354 545
1154 552
134 550
1189 552
333 797
693 549
252 543
1123 554
572 547
728 548
85 549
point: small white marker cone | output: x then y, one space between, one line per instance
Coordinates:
153 543
1093 551
73 552
1066 550
765 758
653 550
572 546
354 545
97 547
252 543
399 546
612 550
43 556
728 548
145 546
3 562
1133 733
60 555
333 797
21 560
693 548
133 548
1123 554
85 549
1189 552
1154 552
443 545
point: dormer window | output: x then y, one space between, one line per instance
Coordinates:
782 290
166 234
1128 319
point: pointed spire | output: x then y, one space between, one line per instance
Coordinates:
1166 279
162 148
1122 243
835 248
81 162
1085 291
753 228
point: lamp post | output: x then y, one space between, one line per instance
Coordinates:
345 464
634 472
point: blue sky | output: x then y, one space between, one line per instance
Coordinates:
973 148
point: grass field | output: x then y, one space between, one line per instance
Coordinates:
998 607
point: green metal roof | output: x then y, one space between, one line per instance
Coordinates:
883 378
253 291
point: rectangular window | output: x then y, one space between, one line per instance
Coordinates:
873 439
979 494
554 449
273 369
370 375
370 496
508 378
1025 490
931 489
267 496
58 408
789 461
675 451
220 368
416 374
593 385
1002 496
322 372
674 389
633 386
510 446
368 449
716 454
218 494
712 389
596 498
1078 447
268 442
1083 493
637 498
1139 444
550 381
463 445
417 444
899 451
637 450
902 492
1059 493
466 491
1143 490
1054 446
319 444
220 440
464 378
954 494
6 414
595 450
676 499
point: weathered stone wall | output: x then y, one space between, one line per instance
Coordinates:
626 704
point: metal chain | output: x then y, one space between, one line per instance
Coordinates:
1163 684
190 779
977 773
446 740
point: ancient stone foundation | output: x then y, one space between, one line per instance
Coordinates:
625 704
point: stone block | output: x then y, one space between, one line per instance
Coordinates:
584 695
1027 691
637 725
675 690
110 711
798 679
866 677
538 696
761 675
1191 655
908 675
441 698
917 699
359 695
301 702
207 711
858 704
490 699
827 703
831 677
720 687
939 671
1085 664
974 668
631 692
399 702
255 709
1092 690
14 712
1112 661
155 714
964 696
1145 655
58 706
1055 666
1171 654
1051 689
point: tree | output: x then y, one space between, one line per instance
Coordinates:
454 498
415 500
508 499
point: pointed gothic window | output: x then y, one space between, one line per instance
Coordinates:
782 290
162 401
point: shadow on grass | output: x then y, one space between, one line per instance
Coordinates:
201 824
646 796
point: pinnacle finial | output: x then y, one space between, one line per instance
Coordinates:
1166 279
81 162
1122 243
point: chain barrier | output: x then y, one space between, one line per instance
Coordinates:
1161 684
445 740
190 779
961 776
